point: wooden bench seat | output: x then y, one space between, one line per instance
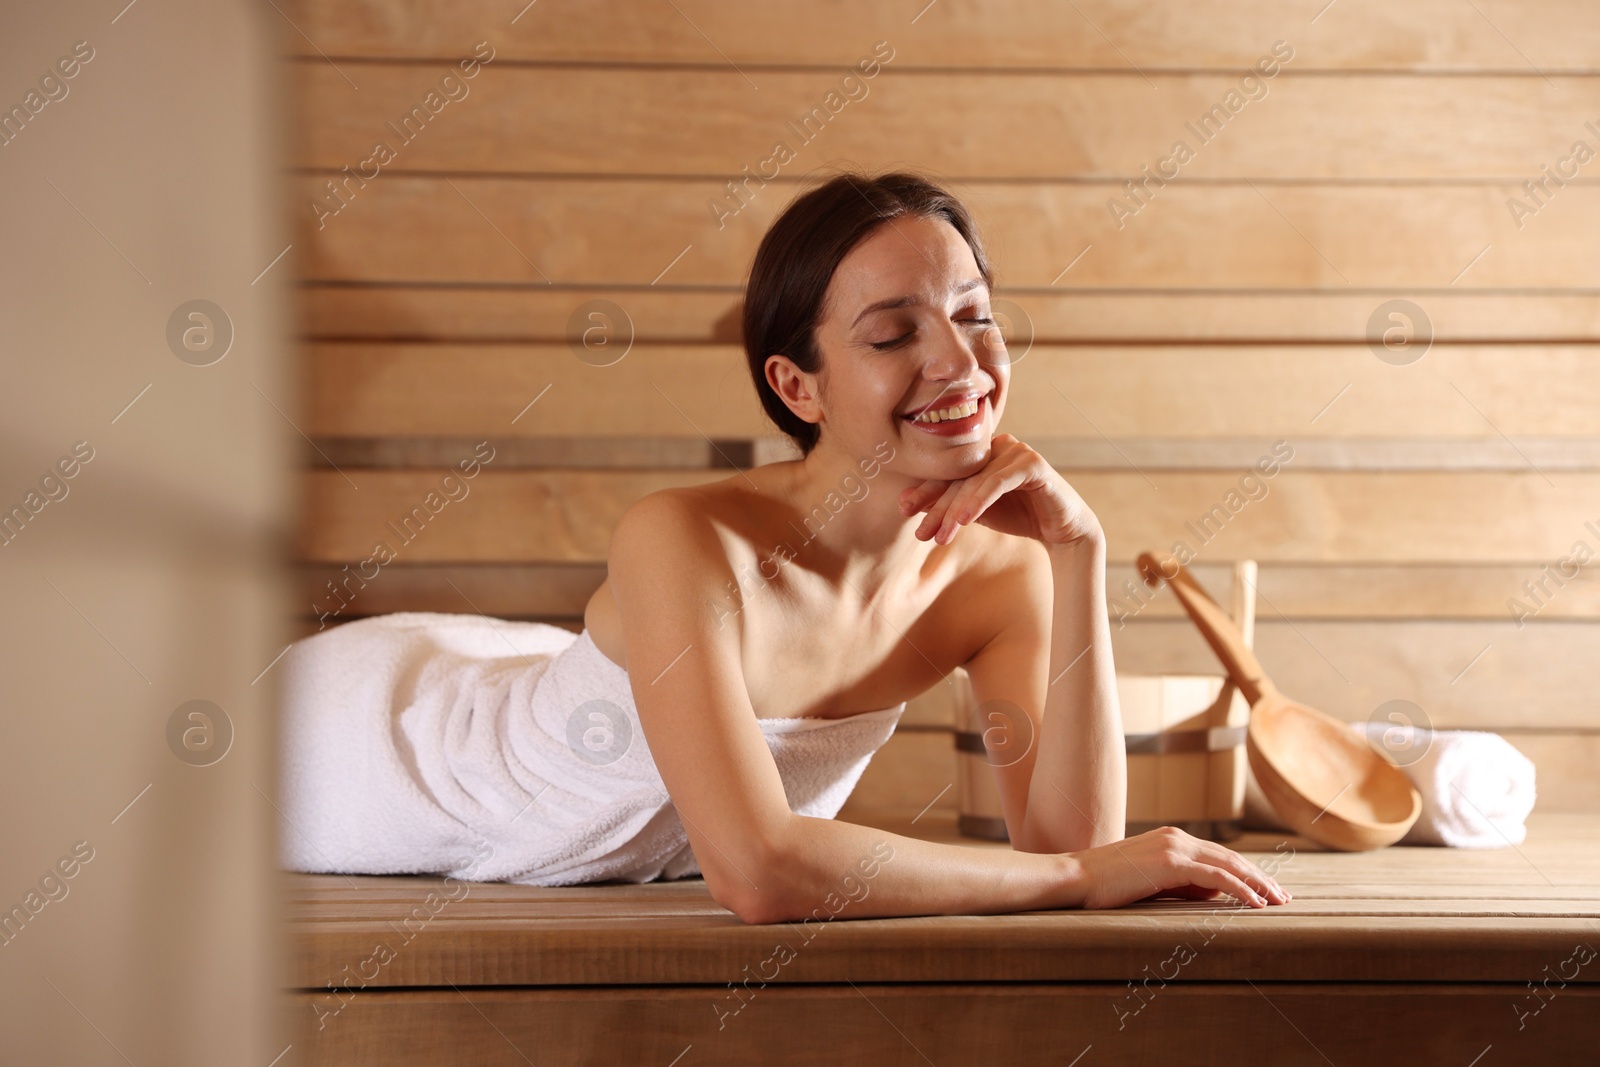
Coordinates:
1412 955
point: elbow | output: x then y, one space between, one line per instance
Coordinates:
760 890
1029 838
751 908
753 904
1059 840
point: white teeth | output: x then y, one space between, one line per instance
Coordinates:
961 411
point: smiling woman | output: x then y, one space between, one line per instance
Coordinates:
867 319
412 737
795 268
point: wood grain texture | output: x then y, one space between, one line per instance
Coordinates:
1232 309
534 312
1014 124
1432 1025
918 767
558 516
1190 235
1406 925
500 516
579 451
1057 391
1461 674
1079 453
1427 35
1337 591
1566 763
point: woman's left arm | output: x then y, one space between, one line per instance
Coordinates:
1077 797
1075 768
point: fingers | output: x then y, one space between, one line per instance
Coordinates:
977 497
933 497
921 497
1183 866
1226 881
1190 892
934 521
973 496
939 498
1056 513
938 515
1248 872
1215 866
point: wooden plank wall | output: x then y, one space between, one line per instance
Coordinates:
1174 340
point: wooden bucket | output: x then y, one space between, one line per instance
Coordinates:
1185 736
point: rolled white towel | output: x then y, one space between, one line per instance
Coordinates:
1477 789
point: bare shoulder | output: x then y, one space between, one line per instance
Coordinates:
667 528
698 533
666 573
669 508
672 559
682 524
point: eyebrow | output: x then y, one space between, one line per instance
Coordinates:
907 300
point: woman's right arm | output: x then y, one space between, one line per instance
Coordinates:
672 581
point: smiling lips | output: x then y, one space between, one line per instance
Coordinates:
952 419
960 411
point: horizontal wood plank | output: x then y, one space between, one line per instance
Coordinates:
532 312
1067 453
1302 517
1013 124
348 453
639 231
1297 393
1145 35
496 516
1438 901
1566 763
1461 675
559 938
917 768
535 312
1351 592
964 1025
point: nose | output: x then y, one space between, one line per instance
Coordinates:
953 352
955 356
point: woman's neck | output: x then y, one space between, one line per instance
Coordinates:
845 508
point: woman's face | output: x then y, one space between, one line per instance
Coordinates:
910 354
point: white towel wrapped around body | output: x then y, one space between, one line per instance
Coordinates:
493 750
1477 789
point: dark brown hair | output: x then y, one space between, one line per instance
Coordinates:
797 258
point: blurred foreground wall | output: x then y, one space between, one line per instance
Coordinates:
145 402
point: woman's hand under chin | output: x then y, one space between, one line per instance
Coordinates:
1015 492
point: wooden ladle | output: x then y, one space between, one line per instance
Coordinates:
1323 779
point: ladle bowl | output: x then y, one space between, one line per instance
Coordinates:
1321 777
1324 781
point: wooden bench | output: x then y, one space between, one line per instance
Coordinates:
1412 955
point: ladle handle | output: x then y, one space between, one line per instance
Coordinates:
1214 625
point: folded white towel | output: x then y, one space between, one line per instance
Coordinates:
1477 789
493 750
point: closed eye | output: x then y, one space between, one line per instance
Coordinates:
901 339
